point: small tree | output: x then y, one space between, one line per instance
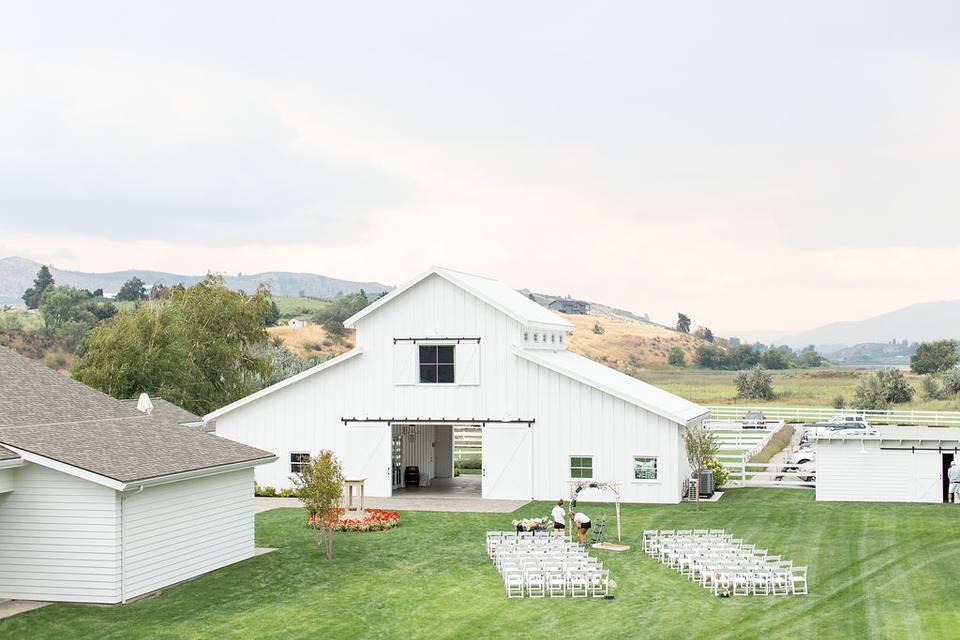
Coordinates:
683 322
870 395
931 388
951 382
896 389
320 487
702 446
132 290
756 384
677 357
839 402
31 297
935 357
598 329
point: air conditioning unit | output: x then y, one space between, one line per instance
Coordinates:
706 483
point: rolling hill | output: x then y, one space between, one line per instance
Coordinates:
16 275
915 323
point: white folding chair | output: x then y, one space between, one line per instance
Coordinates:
599 583
557 583
798 580
536 583
513 582
578 583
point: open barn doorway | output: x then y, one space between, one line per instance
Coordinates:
423 462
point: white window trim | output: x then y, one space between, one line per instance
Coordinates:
593 468
635 480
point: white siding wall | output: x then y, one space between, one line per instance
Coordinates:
847 472
177 531
418 451
570 417
59 539
6 480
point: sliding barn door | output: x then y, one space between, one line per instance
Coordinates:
507 460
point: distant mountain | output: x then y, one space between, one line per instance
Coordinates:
16 275
916 323
874 353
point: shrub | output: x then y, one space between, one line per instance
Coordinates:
756 384
839 402
931 389
720 473
470 463
288 493
313 346
951 382
597 329
870 395
895 386
456 473
268 492
677 357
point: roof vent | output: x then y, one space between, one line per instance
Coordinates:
144 404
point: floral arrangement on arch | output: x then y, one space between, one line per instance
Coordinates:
374 520
530 524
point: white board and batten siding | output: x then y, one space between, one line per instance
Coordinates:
59 539
849 471
177 531
492 381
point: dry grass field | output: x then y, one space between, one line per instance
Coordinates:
623 337
312 340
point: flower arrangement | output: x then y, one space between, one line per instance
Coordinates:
530 524
374 520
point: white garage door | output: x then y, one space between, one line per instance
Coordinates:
507 456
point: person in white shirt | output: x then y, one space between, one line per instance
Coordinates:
582 522
559 516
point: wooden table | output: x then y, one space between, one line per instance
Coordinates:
348 486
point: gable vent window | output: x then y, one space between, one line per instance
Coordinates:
436 364
553 337
526 337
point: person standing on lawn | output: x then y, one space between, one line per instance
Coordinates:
953 489
559 515
582 522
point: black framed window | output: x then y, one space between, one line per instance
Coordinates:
436 363
298 460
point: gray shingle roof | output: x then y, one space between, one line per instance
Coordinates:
167 410
52 415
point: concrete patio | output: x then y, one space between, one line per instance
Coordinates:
444 494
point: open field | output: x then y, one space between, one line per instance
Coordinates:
876 571
292 306
795 387
312 340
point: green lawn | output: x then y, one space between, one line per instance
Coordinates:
876 571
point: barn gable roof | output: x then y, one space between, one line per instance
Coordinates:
493 292
615 383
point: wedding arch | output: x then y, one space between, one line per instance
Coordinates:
576 486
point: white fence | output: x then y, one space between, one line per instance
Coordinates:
467 442
739 445
819 414
769 474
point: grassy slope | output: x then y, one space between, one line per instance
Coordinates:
623 337
876 571
312 340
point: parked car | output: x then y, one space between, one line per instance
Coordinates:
754 420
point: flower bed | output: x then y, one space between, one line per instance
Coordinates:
374 520
530 524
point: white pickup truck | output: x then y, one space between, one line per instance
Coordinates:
838 426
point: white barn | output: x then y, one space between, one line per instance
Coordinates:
101 503
900 464
450 349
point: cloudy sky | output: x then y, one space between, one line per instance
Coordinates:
757 165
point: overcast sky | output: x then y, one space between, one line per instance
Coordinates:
757 165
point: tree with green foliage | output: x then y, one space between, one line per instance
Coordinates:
273 314
44 279
704 333
69 314
756 384
778 358
709 357
887 387
935 357
683 322
931 389
839 402
339 309
196 348
677 357
132 290
809 358
320 487
701 446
